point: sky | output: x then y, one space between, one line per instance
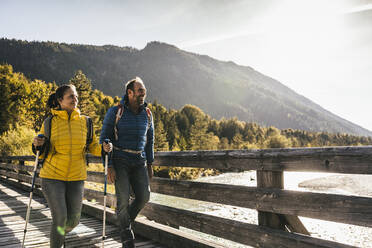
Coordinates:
320 49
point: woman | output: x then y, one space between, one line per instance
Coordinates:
64 169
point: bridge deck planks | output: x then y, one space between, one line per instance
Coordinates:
13 206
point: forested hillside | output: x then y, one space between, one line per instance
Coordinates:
175 78
23 108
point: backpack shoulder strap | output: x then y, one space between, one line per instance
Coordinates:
48 126
89 123
119 114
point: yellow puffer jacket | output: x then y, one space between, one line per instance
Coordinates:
66 157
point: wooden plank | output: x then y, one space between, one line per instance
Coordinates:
87 234
23 186
345 209
94 176
21 177
351 160
90 194
163 234
339 208
23 168
18 158
294 224
248 234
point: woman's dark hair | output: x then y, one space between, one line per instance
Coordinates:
53 98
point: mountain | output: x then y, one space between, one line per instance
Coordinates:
174 78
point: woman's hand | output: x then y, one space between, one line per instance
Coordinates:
107 147
38 141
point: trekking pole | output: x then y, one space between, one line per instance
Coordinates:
104 198
32 190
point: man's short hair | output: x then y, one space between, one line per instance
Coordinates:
130 84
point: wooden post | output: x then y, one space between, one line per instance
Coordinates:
275 179
270 179
7 169
21 162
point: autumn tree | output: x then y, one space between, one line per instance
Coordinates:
84 90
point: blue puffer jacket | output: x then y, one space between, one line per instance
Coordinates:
133 132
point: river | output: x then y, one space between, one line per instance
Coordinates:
314 182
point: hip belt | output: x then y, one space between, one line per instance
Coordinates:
127 150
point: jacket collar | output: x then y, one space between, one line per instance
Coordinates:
64 115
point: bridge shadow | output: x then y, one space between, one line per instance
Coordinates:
89 233
13 208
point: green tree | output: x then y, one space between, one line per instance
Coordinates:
84 90
37 99
231 127
161 143
101 104
173 134
237 141
278 141
14 89
200 139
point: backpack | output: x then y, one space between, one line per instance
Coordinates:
119 114
48 127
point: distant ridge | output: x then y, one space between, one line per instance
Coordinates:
175 78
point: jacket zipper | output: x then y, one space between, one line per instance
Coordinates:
70 133
138 131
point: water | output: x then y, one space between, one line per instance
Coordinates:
325 182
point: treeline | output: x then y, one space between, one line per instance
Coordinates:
23 109
176 78
190 129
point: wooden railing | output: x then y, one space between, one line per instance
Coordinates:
278 224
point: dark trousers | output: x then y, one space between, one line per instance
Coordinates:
65 203
130 175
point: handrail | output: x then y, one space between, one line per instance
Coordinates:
342 159
269 199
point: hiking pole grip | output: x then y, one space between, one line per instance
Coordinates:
107 141
38 148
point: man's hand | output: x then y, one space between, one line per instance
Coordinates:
111 175
107 147
150 171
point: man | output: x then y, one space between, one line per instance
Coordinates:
130 128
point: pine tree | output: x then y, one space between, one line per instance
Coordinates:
200 139
173 134
161 143
37 108
84 90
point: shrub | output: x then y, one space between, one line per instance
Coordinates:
17 141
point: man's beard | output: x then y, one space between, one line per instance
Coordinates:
140 101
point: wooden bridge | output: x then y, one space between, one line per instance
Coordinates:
162 226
